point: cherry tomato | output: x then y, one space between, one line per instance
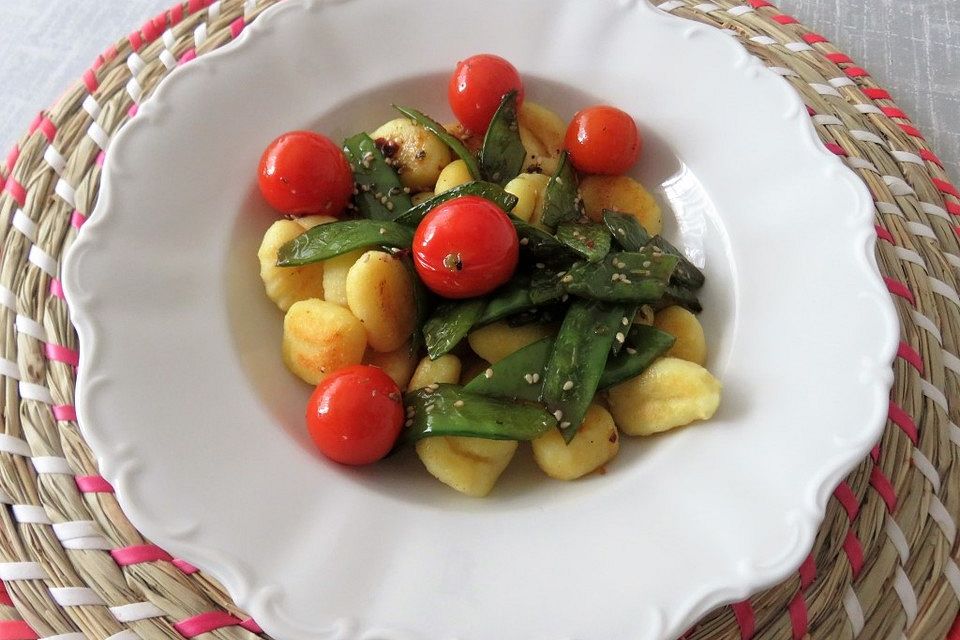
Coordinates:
603 140
304 172
465 247
355 414
477 87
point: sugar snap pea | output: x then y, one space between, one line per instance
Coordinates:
449 324
510 299
502 153
591 241
330 240
626 230
562 201
519 376
639 277
448 138
380 196
686 273
643 345
488 190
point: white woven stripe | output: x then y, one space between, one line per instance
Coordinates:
842 81
43 260
951 361
952 259
9 369
66 192
908 598
135 63
98 135
854 611
169 40
53 158
943 518
134 89
783 71
94 542
921 230
33 391
136 611
126 634
75 597
827 120
670 5
740 10
889 208
22 223
91 106
927 389
955 434
797 47
213 12
764 40
952 573
30 327
825 89
200 34
75 529
14 445
934 210
926 468
868 108
861 163
899 541
30 514
898 186
707 7
941 287
53 465
906 156
168 60
909 255
11 571
866 136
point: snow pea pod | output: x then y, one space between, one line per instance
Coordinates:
380 195
448 138
326 241
503 153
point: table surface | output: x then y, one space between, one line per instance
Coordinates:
912 47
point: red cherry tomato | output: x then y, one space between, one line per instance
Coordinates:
304 172
355 414
603 140
465 247
477 87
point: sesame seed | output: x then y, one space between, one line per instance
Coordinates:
564 425
539 265
614 277
389 206
567 278
558 415
625 281
408 423
433 387
529 378
406 189
646 264
524 241
568 385
631 351
383 230
458 403
536 377
488 374
625 322
620 337
564 297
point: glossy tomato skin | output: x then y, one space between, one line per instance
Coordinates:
465 247
603 140
355 414
303 172
477 87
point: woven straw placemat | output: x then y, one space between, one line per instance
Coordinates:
73 567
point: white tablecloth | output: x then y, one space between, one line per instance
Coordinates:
912 47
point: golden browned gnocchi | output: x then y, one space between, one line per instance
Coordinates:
596 443
443 370
380 294
496 341
453 175
335 272
320 337
691 344
398 364
529 189
417 154
624 194
541 131
286 285
469 465
670 393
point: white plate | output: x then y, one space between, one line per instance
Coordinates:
196 423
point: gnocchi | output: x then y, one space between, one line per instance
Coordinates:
380 293
529 189
320 337
596 443
670 393
470 465
496 341
541 131
398 364
621 193
691 344
335 272
417 154
453 175
286 285
445 369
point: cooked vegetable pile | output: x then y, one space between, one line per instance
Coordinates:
500 270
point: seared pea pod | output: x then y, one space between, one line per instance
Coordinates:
562 201
626 230
591 241
519 376
541 245
449 139
380 196
510 299
449 324
628 277
686 274
449 410
488 190
680 295
503 153
642 345
336 238
577 361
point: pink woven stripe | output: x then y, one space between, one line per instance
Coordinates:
56 288
883 234
176 15
34 123
151 31
48 129
930 156
251 625
93 484
196 5
837 58
847 499
946 187
60 353
884 487
187 56
64 412
953 208
16 190
875 453
12 157
5 598
798 616
133 109
835 149
205 623
77 219
743 612
954 633
856 72
135 40
893 112
100 158
110 53
907 353
139 554
808 572
184 566
910 130
784 19
236 27
16 630
90 80
903 420
876 94
814 38
900 289
851 546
